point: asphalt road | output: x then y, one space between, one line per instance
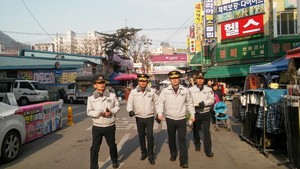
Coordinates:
69 148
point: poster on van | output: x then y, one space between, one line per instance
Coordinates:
33 115
52 117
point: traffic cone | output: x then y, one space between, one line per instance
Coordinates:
70 117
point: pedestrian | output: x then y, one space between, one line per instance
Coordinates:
209 83
203 98
217 97
175 101
102 107
141 104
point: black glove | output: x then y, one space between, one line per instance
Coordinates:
201 104
131 113
157 120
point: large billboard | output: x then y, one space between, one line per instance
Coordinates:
242 29
240 9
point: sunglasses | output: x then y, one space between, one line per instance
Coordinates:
100 82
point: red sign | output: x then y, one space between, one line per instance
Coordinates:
244 27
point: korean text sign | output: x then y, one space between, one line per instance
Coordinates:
243 29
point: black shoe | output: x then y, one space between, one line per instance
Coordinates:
115 165
151 161
210 154
173 158
198 147
143 157
184 165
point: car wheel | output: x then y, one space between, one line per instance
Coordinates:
10 146
71 100
85 101
23 101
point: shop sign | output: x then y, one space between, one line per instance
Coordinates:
242 29
209 27
257 49
198 14
279 48
240 9
192 45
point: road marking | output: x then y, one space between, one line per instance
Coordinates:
124 124
119 147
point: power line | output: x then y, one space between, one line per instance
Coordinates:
146 29
190 18
36 20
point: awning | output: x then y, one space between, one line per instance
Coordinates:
293 53
196 60
227 71
280 64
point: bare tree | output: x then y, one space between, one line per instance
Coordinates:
145 59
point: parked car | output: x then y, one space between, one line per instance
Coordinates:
25 91
12 131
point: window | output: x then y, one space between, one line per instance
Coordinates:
287 23
25 85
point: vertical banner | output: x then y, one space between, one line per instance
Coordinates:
192 45
192 32
188 42
275 30
198 15
209 25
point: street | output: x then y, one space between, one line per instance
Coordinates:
69 147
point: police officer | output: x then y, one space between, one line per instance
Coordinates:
203 98
102 107
141 103
175 101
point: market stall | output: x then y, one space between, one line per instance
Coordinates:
271 117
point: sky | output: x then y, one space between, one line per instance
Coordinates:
38 21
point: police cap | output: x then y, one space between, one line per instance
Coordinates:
143 77
174 74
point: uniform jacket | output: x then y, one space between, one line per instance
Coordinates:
142 103
175 106
206 95
97 104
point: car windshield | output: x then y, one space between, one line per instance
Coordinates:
38 86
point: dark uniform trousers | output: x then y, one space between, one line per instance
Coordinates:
204 120
98 133
145 129
178 126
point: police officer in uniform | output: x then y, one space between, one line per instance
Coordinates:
175 101
141 104
203 98
102 107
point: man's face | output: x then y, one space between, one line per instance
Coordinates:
100 85
209 83
200 81
142 84
175 82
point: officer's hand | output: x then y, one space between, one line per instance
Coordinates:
201 104
131 113
160 117
157 119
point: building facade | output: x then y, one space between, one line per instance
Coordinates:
237 34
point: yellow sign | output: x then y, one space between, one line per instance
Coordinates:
197 12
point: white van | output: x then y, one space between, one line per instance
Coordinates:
25 91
